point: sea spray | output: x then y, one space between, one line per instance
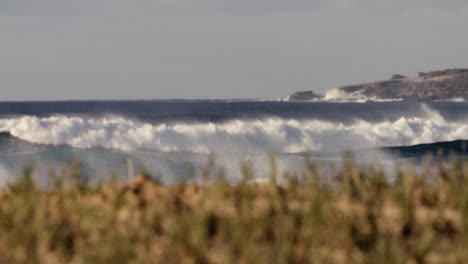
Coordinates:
234 136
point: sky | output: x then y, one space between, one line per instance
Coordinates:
194 49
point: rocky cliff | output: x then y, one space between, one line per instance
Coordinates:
304 96
427 86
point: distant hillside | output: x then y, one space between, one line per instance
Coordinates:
427 86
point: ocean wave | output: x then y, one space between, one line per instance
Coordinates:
340 96
337 95
453 100
235 136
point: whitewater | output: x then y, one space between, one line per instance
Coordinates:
170 137
250 135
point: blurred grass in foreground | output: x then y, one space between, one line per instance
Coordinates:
354 216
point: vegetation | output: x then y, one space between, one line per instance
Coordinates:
356 215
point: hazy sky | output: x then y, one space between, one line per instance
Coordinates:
156 49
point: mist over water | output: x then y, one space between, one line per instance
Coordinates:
173 138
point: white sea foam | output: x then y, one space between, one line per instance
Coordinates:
453 100
338 95
236 136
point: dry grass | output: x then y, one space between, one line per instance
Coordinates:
358 217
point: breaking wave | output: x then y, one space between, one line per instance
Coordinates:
235 136
453 100
338 95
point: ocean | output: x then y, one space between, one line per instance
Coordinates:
173 139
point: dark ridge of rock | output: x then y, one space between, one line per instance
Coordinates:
442 149
304 96
5 134
442 73
398 77
427 86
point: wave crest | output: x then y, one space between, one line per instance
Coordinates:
338 95
247 136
